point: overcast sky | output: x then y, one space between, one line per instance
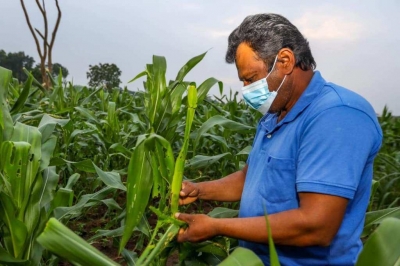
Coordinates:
355 43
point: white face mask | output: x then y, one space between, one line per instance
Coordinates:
257 94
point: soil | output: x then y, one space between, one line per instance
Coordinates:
95 218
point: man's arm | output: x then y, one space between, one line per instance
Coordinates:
315 222
228 188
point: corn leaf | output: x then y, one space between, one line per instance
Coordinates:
376 217
14 165
189 66
17 231
205 87
60 240
221 212
73 211
180 162
242 257
200 161
19 104
47 125
50 181
220 121
273 255
166 238
139 186
7 259
245 151
111 179
382 247
6 122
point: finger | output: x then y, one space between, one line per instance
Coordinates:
184 189
181 237
184 217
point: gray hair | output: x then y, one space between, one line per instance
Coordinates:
266 34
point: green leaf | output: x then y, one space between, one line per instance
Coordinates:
47 152
87 114
109 233
19 104
14 165
245 151
120 148
72 180
85 165
141 74
111 204
62 212
62 198
60 240
376 217
88 97
200 161
7 259
220 121
6 122
221 212
205 87
166 238
139 186
47 125
180 161
242 257
130 257
189 66
217 248
50 181
111 179
16 229
273 255
382 247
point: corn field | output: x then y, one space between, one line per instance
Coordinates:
91 176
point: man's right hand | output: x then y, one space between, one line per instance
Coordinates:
189 193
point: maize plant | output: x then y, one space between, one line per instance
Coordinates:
153 170
27 182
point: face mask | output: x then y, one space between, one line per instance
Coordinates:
257 94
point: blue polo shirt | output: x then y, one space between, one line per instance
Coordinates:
325 144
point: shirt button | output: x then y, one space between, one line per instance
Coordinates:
269 136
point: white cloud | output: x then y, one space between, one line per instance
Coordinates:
329 27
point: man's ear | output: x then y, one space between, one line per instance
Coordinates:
287 60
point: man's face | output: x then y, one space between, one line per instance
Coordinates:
252 68
249 66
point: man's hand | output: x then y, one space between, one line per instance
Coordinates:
189 193
200 227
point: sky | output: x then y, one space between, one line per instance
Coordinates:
355 43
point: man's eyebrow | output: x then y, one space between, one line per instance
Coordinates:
248 75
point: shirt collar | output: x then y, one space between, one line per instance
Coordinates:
310 93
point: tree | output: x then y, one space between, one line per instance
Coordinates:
54 72
104 75
44 51
16 62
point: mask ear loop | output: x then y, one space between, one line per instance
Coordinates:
281 84
273 66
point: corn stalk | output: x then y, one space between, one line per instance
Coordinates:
152 166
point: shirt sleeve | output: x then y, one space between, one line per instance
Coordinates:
334 149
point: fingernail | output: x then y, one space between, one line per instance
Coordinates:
177 215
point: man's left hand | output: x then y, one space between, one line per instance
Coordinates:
200 227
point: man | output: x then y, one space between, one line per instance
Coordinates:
312 157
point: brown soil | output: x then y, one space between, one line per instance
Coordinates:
87 225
